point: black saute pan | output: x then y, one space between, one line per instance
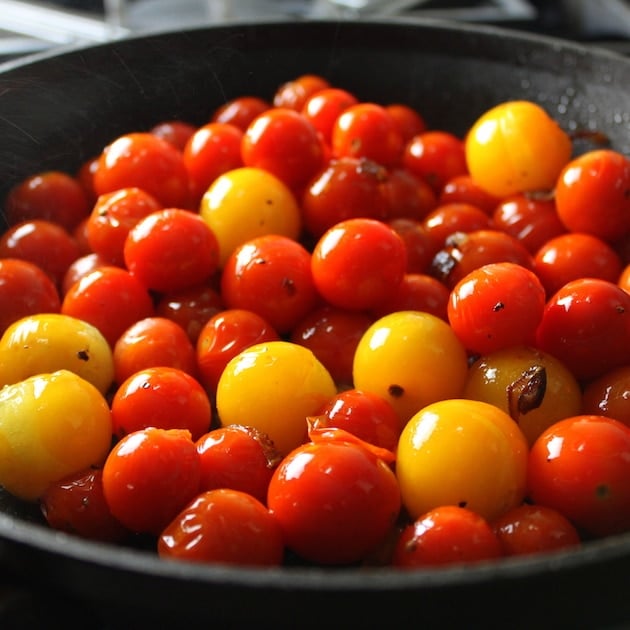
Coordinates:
57 110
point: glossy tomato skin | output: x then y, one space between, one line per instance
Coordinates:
580 466
25 289
464 189
76 505
496 306
406 195
237 457
270 275
531 528
358 263
153 342
592 194
420 246
446 535
52 196
44 243
586 324
149 476
171 249
445 219
223 336
177 132
223 526
325 513
143 160
324 107
295 92
408 120
109 298
608 395
240 111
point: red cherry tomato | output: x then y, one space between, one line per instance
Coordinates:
294 93
609 395
496 306
409 121
149 476
162 397
324 107
142 160
237 457
223 336
109 298
580 466
358 263
284 143
464 189
25 289
76 505
446 535
270 275
153 342
111 219
586 325
367 130
240 111
171 249
406 195
226 527
177 132
324 514
421 248
52 196
444 220
81 266
533 529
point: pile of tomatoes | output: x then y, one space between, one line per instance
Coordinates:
315 331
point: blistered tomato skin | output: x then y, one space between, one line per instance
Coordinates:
411 359
274 387
51 425
475 450
52 341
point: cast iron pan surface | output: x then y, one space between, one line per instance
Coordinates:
57 110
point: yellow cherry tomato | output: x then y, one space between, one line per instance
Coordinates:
248 202
462 452
516 147
48 342
411 359
274 387
530 385
51 425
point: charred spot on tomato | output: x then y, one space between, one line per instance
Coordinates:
527 392
620 309
83 355
443 264
370 167
462 504
499 306
395 391
289 286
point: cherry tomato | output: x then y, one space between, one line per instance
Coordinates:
580 466
153 342
111 219
273 387
109 298
237 457
76 505
324 107
464 189
325 515
163 397
149 476
364 414
593 194
409 121
532 220
406 195
143 160
177 132
437 156
609 395
240 111
345 188
223 336
213 149
586 325
25 289
52 196
446 535
533 529
85 177
223 526
294 93
516 147
530 385
444 220
44 243
411 359
270 275
573 256
475 450
367 130
283 142
496 306
332 334
421 248
358 263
